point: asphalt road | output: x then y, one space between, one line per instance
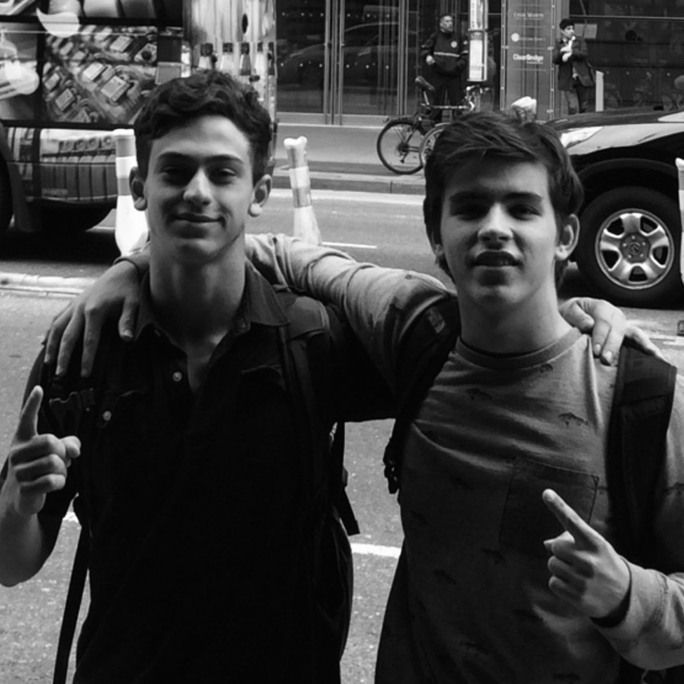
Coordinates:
384 229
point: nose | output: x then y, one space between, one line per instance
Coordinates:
495 227
198 189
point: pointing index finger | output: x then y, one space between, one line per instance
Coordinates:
28 419
583 533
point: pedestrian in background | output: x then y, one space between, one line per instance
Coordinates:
446 58
574 72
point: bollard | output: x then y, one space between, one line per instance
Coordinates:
130 229
680 175
305 225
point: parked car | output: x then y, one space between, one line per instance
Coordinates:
631 228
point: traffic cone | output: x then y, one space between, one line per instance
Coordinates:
680 174
130 229
305 225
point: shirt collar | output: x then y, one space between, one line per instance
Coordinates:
259 305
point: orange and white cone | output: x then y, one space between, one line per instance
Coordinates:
305 225
130 229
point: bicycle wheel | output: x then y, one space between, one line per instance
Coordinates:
398 145
429 142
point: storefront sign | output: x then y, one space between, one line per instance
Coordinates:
527 52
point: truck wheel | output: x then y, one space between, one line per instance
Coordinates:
629 245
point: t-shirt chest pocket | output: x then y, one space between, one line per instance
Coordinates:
527 522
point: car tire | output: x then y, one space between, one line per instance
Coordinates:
629 245
64 221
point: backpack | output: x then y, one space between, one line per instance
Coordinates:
304 346
640 415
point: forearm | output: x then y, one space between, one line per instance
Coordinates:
378 303
22 546
652 634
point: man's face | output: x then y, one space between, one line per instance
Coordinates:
446 24
568 32
498 231
199 192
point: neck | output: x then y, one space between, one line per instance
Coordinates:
196 305
505 329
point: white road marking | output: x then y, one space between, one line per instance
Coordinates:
348 245
376 550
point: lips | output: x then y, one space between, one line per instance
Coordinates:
495 259
195 218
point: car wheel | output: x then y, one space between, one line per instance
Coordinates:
629 246
71 220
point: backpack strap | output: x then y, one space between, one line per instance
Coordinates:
642 404
306 344
640 415
72 606
423 354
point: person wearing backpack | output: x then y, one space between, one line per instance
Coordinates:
390 307
197 453
541 542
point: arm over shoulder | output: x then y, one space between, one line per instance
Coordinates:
379 304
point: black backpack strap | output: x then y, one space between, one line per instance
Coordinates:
305 343
640 415
642 404
72 607
423 354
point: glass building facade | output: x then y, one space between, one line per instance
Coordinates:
355 61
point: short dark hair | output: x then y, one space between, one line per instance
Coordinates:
498 135
205 93
565 23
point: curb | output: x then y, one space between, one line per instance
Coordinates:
358 182
52 284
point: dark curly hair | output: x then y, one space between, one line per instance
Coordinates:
176 102
498 135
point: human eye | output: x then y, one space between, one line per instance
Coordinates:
524 210
223 174
175 173
467 209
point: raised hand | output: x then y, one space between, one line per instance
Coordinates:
586 571
37 463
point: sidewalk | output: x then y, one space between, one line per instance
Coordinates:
343 158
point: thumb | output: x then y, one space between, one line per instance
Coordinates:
72 448
28 420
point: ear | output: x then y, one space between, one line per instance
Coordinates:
568 236
137 185
260 195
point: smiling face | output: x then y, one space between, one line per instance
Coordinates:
199 191
498 234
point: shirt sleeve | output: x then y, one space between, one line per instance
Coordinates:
379 304
652 634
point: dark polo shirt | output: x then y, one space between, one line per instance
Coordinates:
194 502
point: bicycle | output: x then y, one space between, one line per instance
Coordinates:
405 141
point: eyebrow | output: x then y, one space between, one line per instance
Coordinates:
487 195
181 157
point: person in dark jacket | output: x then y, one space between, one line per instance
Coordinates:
574 73
446 58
